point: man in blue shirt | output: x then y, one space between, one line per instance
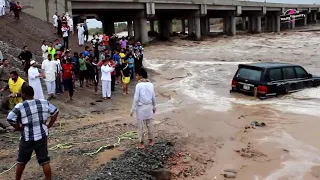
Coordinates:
117 59
86 52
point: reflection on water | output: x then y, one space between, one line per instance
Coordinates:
211 66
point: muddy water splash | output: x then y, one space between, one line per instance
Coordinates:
209 68
304 156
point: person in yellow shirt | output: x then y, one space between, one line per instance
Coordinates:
122 56
14 85
51 49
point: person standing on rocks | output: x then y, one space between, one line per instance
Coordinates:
55 22
144 105
80 34
50 73
25 56
30 118
34 80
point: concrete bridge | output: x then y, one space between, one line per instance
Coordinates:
256 16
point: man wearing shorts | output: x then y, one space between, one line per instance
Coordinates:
30 117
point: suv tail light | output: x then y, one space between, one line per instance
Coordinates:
262 89
234 83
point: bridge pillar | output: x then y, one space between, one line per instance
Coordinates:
305 20
208 26
253 24
243 23
169 26
143 30
233 27
278 23
258 24
163 26
136 28
108 27
190 25
314 17
293 23
204 25
273 23
197 25
151 25
183 25
226 25
130 29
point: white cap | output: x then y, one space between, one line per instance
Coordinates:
32 62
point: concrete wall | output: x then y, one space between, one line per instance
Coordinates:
44 9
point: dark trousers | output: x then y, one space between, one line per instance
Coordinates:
58 85
131 69
68 86
113 82
86 33
66 42
141 59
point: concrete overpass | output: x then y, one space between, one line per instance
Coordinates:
257 16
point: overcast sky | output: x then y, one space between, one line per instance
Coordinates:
94 23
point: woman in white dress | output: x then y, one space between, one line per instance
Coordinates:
34 80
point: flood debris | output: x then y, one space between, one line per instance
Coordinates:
136 164
249 152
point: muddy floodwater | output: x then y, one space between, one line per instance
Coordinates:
196 77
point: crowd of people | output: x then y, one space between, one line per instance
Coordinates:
14 7
111 60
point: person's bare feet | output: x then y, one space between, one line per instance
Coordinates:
151 142
141 146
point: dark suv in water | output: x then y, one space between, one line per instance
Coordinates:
271 79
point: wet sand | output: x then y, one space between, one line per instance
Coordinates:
196 79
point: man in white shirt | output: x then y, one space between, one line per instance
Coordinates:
80 34
144 105
65 35
34 80
59 88
50 72
106 70
55 22
44 49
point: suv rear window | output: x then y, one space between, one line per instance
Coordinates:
249 74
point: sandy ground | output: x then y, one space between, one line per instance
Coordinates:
196 111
